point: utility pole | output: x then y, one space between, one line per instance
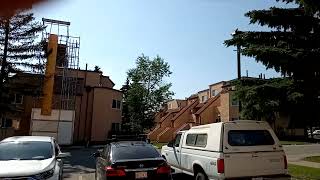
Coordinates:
4 57
239 61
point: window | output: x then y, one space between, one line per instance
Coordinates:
199 140
115 127
30 150
191 139
213 93
56 149
204 98
17 99
249 138
116 104
135 151
177 140
234 101
6 123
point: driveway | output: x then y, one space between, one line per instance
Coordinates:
80 165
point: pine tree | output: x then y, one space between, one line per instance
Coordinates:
291 47
20 50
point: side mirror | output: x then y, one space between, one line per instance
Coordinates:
170 144
62 156
96 154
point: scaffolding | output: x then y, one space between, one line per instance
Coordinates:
67 61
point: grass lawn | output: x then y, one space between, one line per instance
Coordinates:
293 142
159 145
302 172
313 159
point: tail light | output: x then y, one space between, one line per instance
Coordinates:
220 165
164 169
112 172
285 162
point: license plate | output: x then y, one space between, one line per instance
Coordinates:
257 178
141 175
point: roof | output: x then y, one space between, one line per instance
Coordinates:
28 138
183 110
128 143
229 122
221 82
206 90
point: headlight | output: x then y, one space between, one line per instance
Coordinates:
44 175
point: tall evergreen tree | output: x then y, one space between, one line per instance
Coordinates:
291 47
20 50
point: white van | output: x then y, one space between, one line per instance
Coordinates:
237 149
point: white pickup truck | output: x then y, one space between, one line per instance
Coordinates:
228 150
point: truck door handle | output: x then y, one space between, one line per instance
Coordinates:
178 151
254 156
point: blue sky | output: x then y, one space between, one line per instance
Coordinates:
188 34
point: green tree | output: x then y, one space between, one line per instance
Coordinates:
291 47
20 51
147 91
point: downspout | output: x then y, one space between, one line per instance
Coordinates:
91 119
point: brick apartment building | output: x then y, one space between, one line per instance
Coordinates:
214 104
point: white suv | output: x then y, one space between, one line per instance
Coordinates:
237 149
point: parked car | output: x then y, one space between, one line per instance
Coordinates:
237 149
30 157
315 134
131 160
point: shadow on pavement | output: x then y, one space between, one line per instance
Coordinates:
79 162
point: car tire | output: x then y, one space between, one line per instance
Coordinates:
200 176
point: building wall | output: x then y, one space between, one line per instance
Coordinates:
217 87
103 113
204 94
233 109
173 104
211 113
224 107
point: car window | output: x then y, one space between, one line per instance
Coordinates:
56 149
124 152
177 140
191 139
201 140
249 138
26 150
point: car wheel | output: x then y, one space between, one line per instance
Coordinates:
201 176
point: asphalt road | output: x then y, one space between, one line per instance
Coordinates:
81 166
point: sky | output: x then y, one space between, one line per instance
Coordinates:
188 34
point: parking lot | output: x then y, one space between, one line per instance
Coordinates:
81 166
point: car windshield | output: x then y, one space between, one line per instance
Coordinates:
124 152
25 150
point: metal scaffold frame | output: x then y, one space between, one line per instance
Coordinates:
70 61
